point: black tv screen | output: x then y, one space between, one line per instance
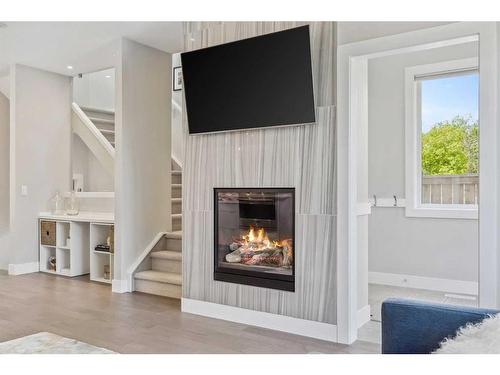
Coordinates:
252 83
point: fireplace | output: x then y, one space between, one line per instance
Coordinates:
255 237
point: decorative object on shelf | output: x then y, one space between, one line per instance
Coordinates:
57 204
51 263
68 241
111 239
107 273
72 204
77 182
102 247
177 78
48 233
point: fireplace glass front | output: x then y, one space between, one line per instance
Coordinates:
254 236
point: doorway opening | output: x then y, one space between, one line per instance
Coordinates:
417 224
423 180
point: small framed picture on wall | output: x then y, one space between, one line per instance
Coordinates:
177 78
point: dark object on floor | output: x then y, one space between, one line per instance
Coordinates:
415 327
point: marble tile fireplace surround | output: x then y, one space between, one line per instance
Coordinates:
254 230
300 157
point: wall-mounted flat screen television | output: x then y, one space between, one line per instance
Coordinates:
251 83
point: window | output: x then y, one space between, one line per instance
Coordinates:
442 145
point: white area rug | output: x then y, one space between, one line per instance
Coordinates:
49 343
481 338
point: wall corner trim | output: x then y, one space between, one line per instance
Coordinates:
120 286
364 315
23 268
309 328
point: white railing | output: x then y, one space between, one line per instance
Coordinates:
92 137
450 189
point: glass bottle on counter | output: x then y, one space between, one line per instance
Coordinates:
57 204
72 204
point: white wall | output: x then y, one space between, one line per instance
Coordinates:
350 32
96 177
40 152
142 166
177 133
440 248
5 85
95 90
4 179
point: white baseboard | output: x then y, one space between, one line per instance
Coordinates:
420 282
120 286
23 268
364 315
309 328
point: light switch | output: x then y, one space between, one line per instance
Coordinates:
24 190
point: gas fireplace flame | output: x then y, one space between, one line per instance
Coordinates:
258 239
255 248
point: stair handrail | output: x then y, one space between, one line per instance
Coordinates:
93 129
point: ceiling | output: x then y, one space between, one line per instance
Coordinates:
86 46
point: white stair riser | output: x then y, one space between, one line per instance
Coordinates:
159 289
167 265
176 192
176 178
173 245
176 207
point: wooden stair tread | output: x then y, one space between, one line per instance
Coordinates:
177 216
101 120
97 110
167 255
106 131
176 172
160 277
176 199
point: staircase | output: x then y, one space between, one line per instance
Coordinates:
104 121
163 270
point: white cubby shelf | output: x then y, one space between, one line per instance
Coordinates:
76 239
99 233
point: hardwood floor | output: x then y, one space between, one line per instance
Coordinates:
135 322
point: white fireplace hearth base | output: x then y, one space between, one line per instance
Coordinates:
302 327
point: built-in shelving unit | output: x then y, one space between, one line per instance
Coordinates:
46 251
74 247
99 233
70 249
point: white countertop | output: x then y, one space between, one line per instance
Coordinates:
83 216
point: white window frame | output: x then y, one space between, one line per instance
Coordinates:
414 207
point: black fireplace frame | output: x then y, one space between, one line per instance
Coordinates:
249 277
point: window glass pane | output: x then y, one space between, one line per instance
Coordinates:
449 139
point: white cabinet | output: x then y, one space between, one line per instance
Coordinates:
70 252
74 251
